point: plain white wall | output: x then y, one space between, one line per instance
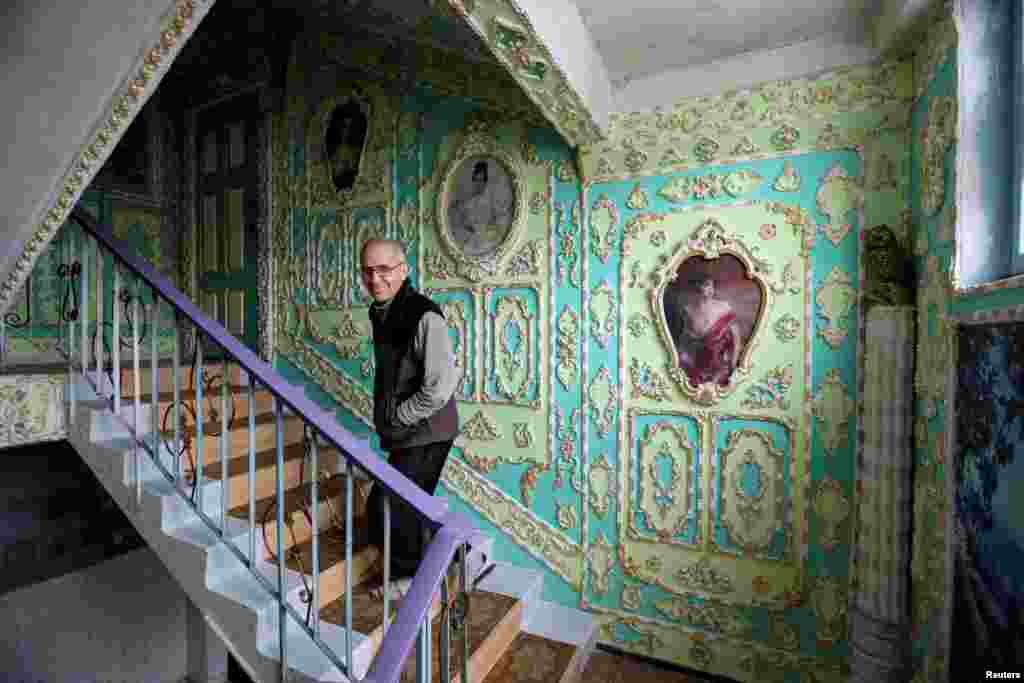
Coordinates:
121 621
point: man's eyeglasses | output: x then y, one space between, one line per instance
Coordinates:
381 271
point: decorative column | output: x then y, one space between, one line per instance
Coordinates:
879 614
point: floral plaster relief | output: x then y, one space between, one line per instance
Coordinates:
838 194
31 409
832 408
836 297
753 473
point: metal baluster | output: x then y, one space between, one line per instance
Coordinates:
116 341
70 250
464 630
98 346
387 560
154 375
279 480
446 633
83 312
252 470
137 388
423 668
315 504
176 361
198 473
224 436
348 564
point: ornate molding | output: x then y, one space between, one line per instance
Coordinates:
836 297
569 261
603 486
604 221
339 386
668 506
603 311
536 536
602 395
458 318
512 357
567 368
752 474
31 409
833 407
937 136
835 110
838 194
510 35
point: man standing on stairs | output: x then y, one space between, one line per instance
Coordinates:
413 397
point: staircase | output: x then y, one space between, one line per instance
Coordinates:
512 634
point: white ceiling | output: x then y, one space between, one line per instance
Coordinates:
642 38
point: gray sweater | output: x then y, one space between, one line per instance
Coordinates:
433 347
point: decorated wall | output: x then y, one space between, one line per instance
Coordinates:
723 541
683 467
933 202
966 592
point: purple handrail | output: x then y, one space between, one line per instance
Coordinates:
453 529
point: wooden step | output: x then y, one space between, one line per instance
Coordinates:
494 623
236 374
238 401
535 659
365 559
368 611
265 480
331 493
238 436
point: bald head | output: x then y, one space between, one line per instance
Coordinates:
390 249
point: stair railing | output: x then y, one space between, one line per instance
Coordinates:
85 253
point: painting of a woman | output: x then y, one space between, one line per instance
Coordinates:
481 209
709 327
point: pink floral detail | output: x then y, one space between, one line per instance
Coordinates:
767 231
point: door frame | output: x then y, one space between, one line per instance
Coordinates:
264 162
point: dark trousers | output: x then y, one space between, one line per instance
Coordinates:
423 465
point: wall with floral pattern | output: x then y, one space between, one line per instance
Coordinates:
933 202
737 560
705 524
31 409
933 183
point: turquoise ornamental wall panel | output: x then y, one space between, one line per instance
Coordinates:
665 474
729 499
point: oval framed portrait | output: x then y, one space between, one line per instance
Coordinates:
480 205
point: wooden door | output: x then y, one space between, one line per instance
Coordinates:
228 138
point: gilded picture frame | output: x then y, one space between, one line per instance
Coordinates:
710 299
371 184
481 206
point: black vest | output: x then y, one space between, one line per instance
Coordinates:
399 374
